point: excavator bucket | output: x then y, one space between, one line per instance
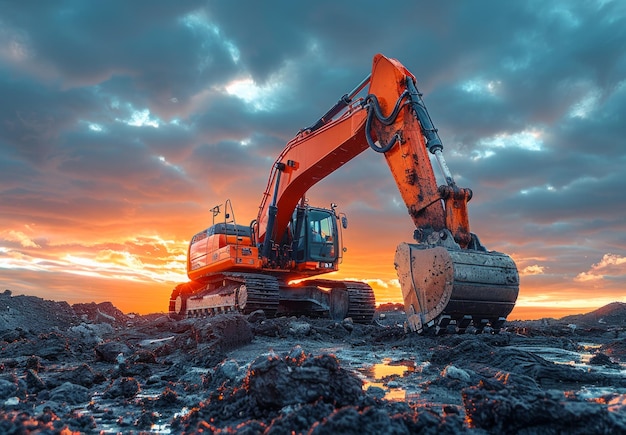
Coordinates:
446 288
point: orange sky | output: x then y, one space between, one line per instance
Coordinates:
118 135
123 262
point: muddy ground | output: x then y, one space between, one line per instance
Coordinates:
89 368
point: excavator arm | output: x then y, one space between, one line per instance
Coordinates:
447 277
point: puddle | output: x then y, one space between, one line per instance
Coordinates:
384 375
99 408
592 393
578 359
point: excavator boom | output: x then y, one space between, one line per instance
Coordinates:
407 134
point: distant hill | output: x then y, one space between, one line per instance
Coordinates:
611 314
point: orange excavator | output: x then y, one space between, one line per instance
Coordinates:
447 277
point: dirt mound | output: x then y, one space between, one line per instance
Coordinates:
104 312
500 408
30 314
299 393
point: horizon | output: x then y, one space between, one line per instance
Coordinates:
519 313
123 123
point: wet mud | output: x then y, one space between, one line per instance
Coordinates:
89 368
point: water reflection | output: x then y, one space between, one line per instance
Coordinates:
384 375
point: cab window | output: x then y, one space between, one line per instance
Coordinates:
321 230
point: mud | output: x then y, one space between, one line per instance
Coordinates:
89 368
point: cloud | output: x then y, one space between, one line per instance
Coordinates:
18 236
532 270
138 255
610 266
119 133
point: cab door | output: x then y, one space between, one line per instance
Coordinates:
321 233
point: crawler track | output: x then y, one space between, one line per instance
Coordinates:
224 293
362 302
353 299
247 292
261 293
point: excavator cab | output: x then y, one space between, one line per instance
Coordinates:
316 239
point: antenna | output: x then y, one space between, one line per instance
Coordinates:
216 211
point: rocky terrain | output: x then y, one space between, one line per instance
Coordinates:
89 368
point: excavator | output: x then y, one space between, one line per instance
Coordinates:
448 279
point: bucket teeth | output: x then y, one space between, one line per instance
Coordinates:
463 324
498 323
442 324
481 325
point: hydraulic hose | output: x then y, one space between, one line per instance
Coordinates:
373 109
371 98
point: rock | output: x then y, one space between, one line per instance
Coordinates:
167 399
143 356
53 346
256 316
34 363
473 352
12 401
229 369
104 312
375 391
12 335
352 421
70 393
92 333
266 328
453 372
34 382
348 323
7 389
615 349
122 388
223 331
297 354
146 420
110 351
84 375
300 328
299 419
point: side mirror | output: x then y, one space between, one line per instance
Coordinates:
344 222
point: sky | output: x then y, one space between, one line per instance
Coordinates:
122 123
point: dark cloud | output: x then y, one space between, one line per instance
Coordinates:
130 118
34 115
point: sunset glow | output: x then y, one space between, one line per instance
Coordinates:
117 138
